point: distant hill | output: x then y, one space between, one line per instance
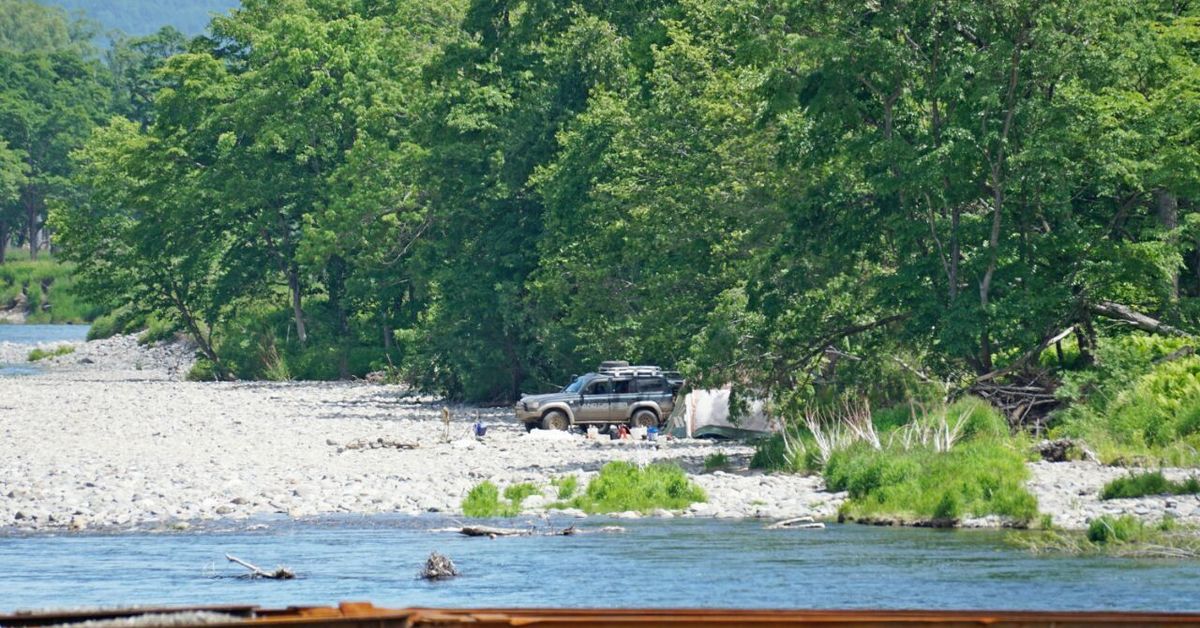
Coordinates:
142 17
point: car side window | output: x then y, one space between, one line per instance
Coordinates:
623 386
602 387
652 385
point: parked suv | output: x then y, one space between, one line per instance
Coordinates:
640 396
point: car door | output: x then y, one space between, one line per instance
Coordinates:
597 396
624 395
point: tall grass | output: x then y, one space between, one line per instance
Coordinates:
923 463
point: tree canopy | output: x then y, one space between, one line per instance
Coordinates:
797 197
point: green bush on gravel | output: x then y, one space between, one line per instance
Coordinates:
1142 484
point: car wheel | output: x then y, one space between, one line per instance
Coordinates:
555 420
644 418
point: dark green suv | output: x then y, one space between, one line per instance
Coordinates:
639 396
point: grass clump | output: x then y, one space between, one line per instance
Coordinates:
1142 484
484 500
913 464
976 478
716 462
622 486
566 485
1123 536
38 355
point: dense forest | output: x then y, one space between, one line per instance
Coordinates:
144 17
807 199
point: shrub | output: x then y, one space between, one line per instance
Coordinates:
622 486
1133 407
567 485
123 320
38 355
1107 529
518 492
157 330
1142 484
482 501
717 461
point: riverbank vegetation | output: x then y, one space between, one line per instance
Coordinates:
619 487
42 291
38 355
1148 484
1123 536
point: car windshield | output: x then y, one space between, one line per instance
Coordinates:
574 386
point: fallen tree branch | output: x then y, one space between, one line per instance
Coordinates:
280 573
1130 316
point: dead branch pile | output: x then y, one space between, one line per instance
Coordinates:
1026 398
280 573
438 567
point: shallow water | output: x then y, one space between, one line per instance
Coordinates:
36 334
674 563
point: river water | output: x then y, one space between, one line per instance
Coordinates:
36 334
664 563
30 335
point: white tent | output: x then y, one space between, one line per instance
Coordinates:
706 413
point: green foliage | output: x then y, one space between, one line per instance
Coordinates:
517 493
1143 484
622 486
977 478
49 289
1135 405
494 195
158 330
567 485
38 355
123 320
1107 529
484 500
1123 535
716 462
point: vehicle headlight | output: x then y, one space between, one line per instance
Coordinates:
532 405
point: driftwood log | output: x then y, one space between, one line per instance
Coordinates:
492 533
799 523
280 573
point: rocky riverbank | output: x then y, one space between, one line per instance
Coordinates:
110 437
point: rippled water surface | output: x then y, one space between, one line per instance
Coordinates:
35 334
675 563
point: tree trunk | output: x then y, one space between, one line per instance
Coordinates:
3 240
32 225
1168 214
297 311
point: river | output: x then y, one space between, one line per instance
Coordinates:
15 338
664 563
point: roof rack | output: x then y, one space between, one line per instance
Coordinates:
631 371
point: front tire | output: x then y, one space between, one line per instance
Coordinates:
555 420
644 418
